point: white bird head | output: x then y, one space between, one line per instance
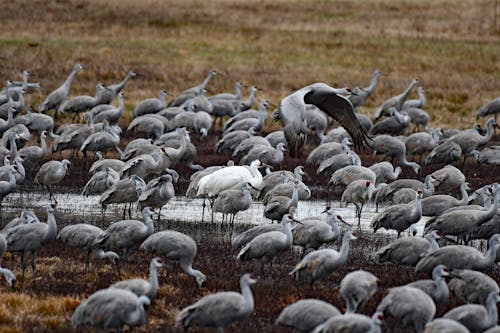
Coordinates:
248 279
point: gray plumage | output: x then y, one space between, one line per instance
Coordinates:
193 91
321 263
100 182
490 155
415 103
327 150
418 117
472 286
443 325
395 101
306 314
150 126
266 246
277 206
435 288
357 288
245 237
477 318
286 189
408 250
445 153
83 236
26 217
37 122
292 111
246 144
396 124
111 115
344 176
459 257
141 287
361 95
436 205
316 121
124 191
145 164
7 274
113 90
352 323
399 217
7 187
175 246
490 108
422 142
102 141
232 201
221 309
126 234
54 100
82 103
111 309
51 173
267 155
246 123
447 179
157 192
385 172
410 305
28 238
228 142
276 137
150 105
358 192
393 148
102 164
337 162
34 154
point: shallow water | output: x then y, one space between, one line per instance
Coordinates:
179 209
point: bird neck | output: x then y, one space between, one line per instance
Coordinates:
207 79
373 84
344 250
251 98
122 84
153 279
262 116
148 221
295 196
375 328
428 186
465 195
70 78
330 220
418 206
493 209
121 105
237 93
421 98
434 245
12 179
405 93
491 309
52 226
247 296
490 256
489 133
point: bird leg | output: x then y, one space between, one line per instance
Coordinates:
87 262
33 267
23 266
203 211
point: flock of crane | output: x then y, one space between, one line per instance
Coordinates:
145 174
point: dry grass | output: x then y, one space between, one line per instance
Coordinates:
452 47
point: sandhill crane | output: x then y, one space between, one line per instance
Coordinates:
148 125
82 103
83 236
418 117
267 155
436 288
396 124
321 263
100 182
477 318
410 305
37 122
225 107
358 192
28 238
361 95
447 179
6 124
408 250
245 145
326 150
385 172
394 148
257 123
276 137
157 193
316 121
344 176
444 153
314 232
111 309
337 162
276 178
422 142
175 246
113 90
399 217
490 108
472 286
150 105
136 147
351 322
7 187
246 105
54 100
444 325
306 314
126 234
51 173
193 91
436 205
124 191
111 115
245 237
101 164
415 103
357 288
232 201
460 222
387 193
221 309
102 141
395 101
229 141
22 135
26 217
286 189
246 111
237 94
141 287
7 274
34 154
18 106
332 101
471 141
266 246
460 257
145 164
279 205
490 155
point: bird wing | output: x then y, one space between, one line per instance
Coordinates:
339 108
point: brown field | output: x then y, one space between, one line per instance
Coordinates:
452 47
